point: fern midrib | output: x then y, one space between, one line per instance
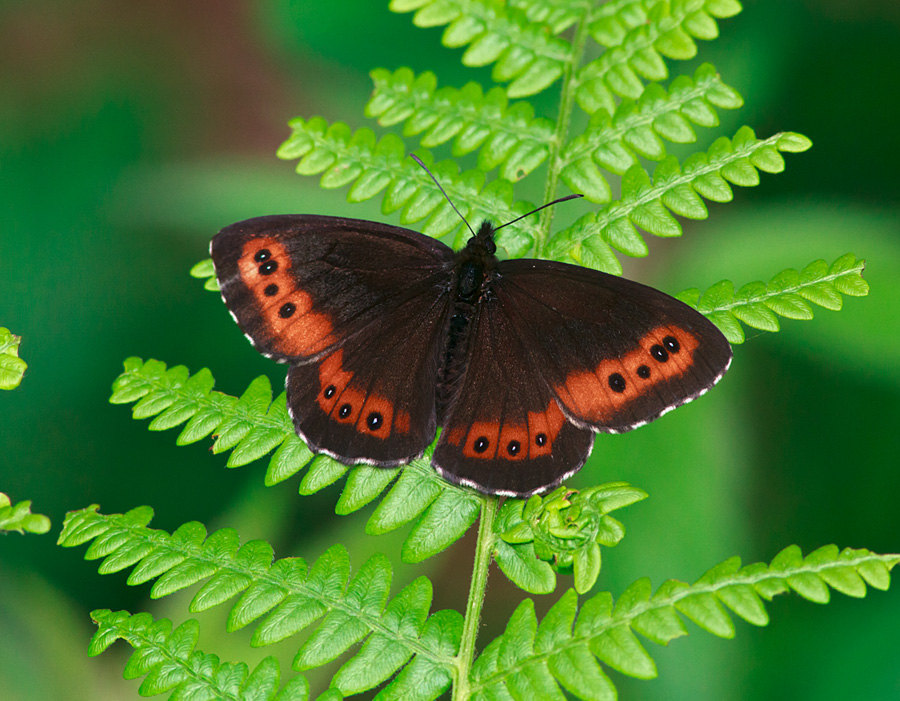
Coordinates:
195 555
793 289
615 131
557 143
691 590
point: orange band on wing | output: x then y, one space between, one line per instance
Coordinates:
663 354
372 414
489 440
287 310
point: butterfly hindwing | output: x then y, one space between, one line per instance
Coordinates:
359 309
615 353
504 432
373 399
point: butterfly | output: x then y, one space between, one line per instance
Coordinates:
391 334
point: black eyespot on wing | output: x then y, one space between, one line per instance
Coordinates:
616 382
514 447
659 353
481 444
263 254
374 421
671 344
643 372
344 411
271 290
269 267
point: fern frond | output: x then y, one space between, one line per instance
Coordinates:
675 189
525 53
346 157
12 367
253 425
758 305
560 532
508 136
289 594
531 660
170 662
638 34
18 517
637 129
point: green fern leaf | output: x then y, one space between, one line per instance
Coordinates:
12 367
18 517
758 305
285 594
509 136
345 157
204 270
638 34
170 662
647 203
525 54
530 660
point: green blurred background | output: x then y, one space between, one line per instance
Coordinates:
131 132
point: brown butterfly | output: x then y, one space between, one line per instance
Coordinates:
390 334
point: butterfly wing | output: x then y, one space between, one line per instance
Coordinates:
616 354
504 432
562 351
359 309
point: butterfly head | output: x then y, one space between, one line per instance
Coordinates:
484 239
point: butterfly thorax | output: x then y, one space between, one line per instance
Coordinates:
474 269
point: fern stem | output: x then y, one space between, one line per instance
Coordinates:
483 552
563 121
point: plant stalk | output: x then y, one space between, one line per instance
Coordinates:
563 122
483 552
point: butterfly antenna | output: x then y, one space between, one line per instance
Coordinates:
544 206
425 168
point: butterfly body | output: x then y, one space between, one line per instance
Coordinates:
391 334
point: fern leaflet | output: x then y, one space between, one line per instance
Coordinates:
531 660
758 305
674 189
371 166
291 596
638 35
12 367
523 52
508 136
170 663
18 517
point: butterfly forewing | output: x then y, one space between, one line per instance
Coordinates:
615 353
301 285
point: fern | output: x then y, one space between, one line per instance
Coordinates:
18 517
12 367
